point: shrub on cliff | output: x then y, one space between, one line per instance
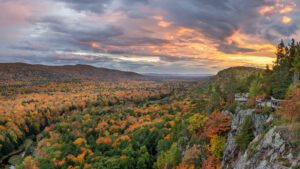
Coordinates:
245 136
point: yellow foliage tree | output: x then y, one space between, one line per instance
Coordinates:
79 141
196 122
29 163
217 144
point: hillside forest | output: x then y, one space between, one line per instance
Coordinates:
141 123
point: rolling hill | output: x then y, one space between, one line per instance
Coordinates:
236 77
28 72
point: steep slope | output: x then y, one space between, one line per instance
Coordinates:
270 147
28 72
258 139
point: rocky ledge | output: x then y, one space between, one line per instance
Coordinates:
268 150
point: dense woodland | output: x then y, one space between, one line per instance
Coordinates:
141 124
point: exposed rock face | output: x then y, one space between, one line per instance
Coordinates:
231 152
268 150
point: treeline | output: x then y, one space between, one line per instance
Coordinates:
285 70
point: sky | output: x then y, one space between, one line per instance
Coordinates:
147 36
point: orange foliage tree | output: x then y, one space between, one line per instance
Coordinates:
291 107
218 123
210 163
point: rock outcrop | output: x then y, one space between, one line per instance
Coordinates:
268 150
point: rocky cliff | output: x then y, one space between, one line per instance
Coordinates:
270 148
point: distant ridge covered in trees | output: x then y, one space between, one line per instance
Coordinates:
28 72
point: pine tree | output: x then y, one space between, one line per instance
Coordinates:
245 136
280 53
281 77
296 65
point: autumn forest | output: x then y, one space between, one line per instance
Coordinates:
139 123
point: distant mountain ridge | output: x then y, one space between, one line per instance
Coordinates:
37 72
29 72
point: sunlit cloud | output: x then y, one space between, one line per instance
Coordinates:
281 7
260 61
95 56
94 45
286 20
265 10
286 9
164 24
139 59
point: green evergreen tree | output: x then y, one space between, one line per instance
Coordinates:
281 77
255 87
245 135
296 65
143 160
168 159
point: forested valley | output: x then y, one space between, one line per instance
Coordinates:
142 123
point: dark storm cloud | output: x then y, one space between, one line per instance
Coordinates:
133 65
138 41
233 48
204 17
46 58
286 30
64 36
83 58
216 19
87 5
176 58
81 33
99 6
73 36
28 47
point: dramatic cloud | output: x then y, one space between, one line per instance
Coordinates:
169 36
87 5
